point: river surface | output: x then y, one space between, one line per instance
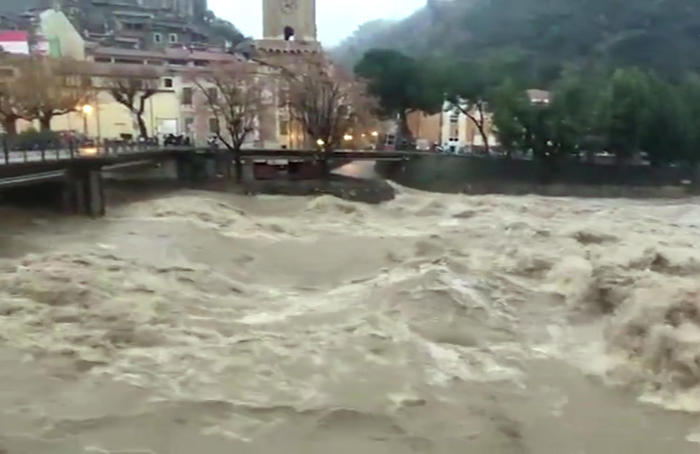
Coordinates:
198 322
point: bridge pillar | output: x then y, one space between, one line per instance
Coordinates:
84 192
194 168
95 202
183 166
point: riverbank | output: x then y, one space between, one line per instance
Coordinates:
480 176
372 191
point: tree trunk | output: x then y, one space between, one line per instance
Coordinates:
485 138
325 168
143 131
404 133
238 163
45 122
10 125
481 126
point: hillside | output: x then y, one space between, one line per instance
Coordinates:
421 33
544 36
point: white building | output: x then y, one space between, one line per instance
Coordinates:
458 131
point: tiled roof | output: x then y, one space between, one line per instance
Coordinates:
165 54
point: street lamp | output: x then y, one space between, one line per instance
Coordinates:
87 109
375 134
320 142
347 137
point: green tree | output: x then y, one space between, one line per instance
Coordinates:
668 132
511 110
689 94
401 84
625 111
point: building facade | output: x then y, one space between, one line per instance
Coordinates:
179 107
452 129
289 36
289 20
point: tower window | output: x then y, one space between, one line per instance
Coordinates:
288 33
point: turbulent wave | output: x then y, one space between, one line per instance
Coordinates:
429 324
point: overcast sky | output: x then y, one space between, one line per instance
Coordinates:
336 18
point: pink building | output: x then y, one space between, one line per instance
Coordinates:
17 42
14 42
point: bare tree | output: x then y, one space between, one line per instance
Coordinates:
233 92
11 109
132 91
46 90
326 102
11 106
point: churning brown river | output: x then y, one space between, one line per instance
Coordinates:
209 323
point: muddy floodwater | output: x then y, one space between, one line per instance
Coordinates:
197 322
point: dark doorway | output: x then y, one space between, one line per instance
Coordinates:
289 33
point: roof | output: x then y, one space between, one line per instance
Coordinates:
7 36
112 70
165 54
539 96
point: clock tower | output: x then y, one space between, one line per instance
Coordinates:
291 20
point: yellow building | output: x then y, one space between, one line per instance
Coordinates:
177 107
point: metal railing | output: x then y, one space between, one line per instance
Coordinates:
74 151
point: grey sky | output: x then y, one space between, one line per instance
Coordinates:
336 18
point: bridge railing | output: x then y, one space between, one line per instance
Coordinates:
75 150
85 150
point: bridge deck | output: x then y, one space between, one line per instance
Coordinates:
15 163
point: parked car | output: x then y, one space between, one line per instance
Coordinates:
423 145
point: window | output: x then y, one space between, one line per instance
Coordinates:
212 94
288 33
283 95
214 125
187 96
189 125
157 38
454 127
173 38
284 127
73 81
168 82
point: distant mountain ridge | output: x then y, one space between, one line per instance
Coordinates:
419 34
544 36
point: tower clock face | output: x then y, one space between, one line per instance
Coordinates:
289 6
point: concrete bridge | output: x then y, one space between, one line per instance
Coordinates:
79 171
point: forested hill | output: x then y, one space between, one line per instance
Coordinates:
542 36
434 29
